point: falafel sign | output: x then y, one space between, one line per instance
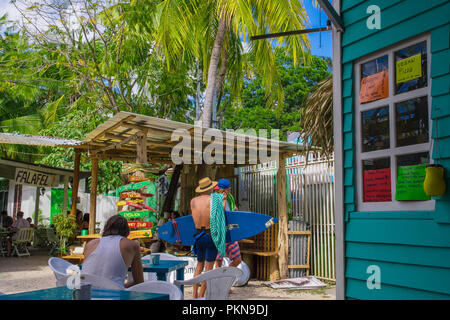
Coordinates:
33 178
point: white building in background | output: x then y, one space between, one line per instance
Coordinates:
21 194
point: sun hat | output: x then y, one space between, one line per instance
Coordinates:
205 184
224 184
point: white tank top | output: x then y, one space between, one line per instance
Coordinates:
106 261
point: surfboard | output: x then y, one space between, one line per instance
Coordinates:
240 225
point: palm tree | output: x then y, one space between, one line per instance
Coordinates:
207 30
317 117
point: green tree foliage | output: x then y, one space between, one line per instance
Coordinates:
296 81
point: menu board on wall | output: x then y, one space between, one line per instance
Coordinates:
408 69
410 183
374 87
377 185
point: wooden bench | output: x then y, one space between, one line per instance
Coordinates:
259 252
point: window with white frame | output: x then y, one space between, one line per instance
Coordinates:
393 127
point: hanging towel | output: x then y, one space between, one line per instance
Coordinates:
217 222
231 202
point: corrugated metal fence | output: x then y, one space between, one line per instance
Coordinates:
310 194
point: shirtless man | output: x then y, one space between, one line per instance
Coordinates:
204 246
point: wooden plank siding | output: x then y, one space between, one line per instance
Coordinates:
412 249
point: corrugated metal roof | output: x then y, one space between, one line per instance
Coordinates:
27 139
114 138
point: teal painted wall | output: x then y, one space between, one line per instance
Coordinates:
412 249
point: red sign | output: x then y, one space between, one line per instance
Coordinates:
374 87
377 185
139 224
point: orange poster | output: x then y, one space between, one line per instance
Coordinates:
374 87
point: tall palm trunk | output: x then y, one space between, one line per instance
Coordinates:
212 73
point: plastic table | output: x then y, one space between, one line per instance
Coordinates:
164 267
64 293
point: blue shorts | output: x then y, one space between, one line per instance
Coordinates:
205 248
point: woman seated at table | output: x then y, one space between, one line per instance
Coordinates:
111 256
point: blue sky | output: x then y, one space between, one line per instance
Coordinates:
321 42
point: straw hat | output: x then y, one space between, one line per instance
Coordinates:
205 184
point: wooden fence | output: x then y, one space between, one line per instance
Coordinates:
310 195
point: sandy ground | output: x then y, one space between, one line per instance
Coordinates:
33 273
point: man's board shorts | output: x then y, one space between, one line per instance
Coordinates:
232 250
204 248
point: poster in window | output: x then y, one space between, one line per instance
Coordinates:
377 185
374 87
410 183
408 69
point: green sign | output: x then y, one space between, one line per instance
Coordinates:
135 214
56 201
133 186
410 183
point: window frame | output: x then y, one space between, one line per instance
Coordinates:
393 150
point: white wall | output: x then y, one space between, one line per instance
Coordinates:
106 205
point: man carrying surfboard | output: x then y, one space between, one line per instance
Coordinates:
204 245
232 249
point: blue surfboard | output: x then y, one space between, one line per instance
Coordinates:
240 225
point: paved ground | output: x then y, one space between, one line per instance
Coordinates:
33 273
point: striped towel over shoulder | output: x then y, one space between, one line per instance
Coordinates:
217 222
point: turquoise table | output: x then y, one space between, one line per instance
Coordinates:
63 293
164 267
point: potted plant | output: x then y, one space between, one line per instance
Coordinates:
66 227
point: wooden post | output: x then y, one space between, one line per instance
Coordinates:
169 201
141 151
76 182
66 190
36 206
93 196
283 239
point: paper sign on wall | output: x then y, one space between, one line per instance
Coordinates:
408 69
410 183
377 185
374 87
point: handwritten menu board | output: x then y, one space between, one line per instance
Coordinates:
408 69
374 87
377 185
410 183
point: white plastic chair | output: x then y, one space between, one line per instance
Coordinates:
96 282
159 287
59 267
24 236
218 282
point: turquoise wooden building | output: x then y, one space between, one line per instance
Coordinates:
391 77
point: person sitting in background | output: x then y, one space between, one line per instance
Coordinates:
111 256
6 221
30 221
15 227
79 220
85 222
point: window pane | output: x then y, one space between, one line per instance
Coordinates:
411 68
374 80
413 159
377 180
374 66
410 177
412 121
375 129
